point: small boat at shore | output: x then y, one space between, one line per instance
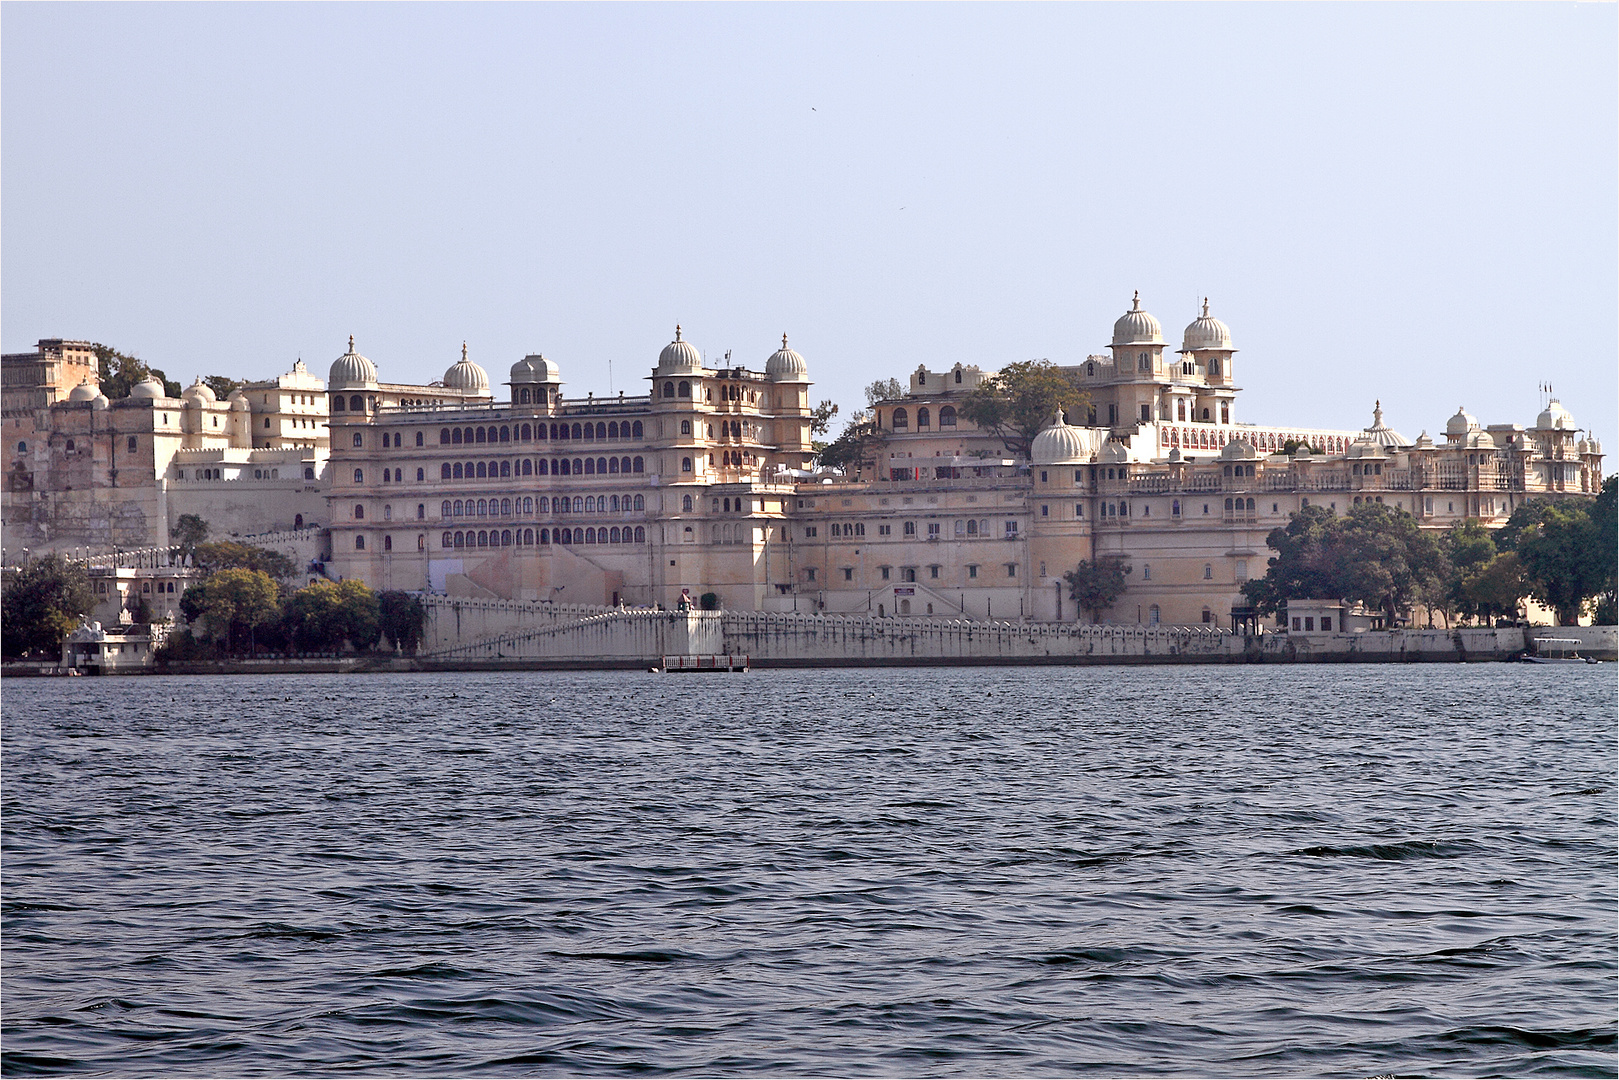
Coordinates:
1550 650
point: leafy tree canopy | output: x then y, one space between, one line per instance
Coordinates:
884 390
1097 585
222 386
1374 555
189 531
228 554
232 602
120 371
1563 560
856 447
322 616
403 619
821 418
44 601
1018 401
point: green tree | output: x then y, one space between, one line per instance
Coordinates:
1097 585
1022 398
1561 562
44 601
229 554
321 616
189 531
884 390
1605 552
1374 555
120 371
222 386
1496 589
856 447
232 602
821 419
403 618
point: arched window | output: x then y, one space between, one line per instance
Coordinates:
590 431
640 533
444 509
901 420
947 415
387 543
455 436
505 507
612 536
612 465
640 465
578 505
668 389
635 430
457 475
1250 506
359 474
567 536
545 536
685 464
685 504
685 427
590 466
421 475
481 473
460 508
590 504
922 418
447 540
505 468
576 433
612 430
561 467
601 465
505 433
505 538
359 543
545 504
1228 501
356 403
543 467
337 403
522 398
601 430
528 504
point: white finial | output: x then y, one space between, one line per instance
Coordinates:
1205 307
351 343
677 331
463 352
1135 304
784 341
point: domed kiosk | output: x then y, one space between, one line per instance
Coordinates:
466 376
785 365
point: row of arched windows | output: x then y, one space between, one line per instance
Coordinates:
604 429
479 470
483 538
902 418
528 504
1237 506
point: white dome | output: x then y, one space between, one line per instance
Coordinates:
199 391
85 391
1206 332
680 355
535 368
99 401
239 403
351 371
1238 450
1461 423
1113 453
1480 440
465 375
785 365
146 389
1555 417
1136 327
1380 433
1060 443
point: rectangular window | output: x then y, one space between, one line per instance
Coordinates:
809 531
1011 569
885 530
1045 511
848 573
1296 623
1011 529
810 573
933 571
132 444
972 571
885 571
1309 622
1079 510
933 530
1242 570
1326 622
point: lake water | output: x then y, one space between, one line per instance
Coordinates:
1333 871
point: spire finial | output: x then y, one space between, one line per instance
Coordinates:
784 341
1377 412
351 343
1135 304
1205 307
677 331
463 352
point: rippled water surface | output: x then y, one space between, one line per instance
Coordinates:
1337 871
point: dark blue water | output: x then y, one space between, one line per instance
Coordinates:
1231 871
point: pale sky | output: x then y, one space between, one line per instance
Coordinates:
1400 201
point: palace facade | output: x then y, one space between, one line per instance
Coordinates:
704 484
700 486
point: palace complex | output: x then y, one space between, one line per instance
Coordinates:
705 484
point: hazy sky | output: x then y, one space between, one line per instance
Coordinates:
1406 201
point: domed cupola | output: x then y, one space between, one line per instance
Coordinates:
1380 433
199 394
1060 443
1555 418
1238 450
85 391
1458 426
680 357
351 371
146 390
523 372
466 376
1136 327
1206 332
535 368
785 365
